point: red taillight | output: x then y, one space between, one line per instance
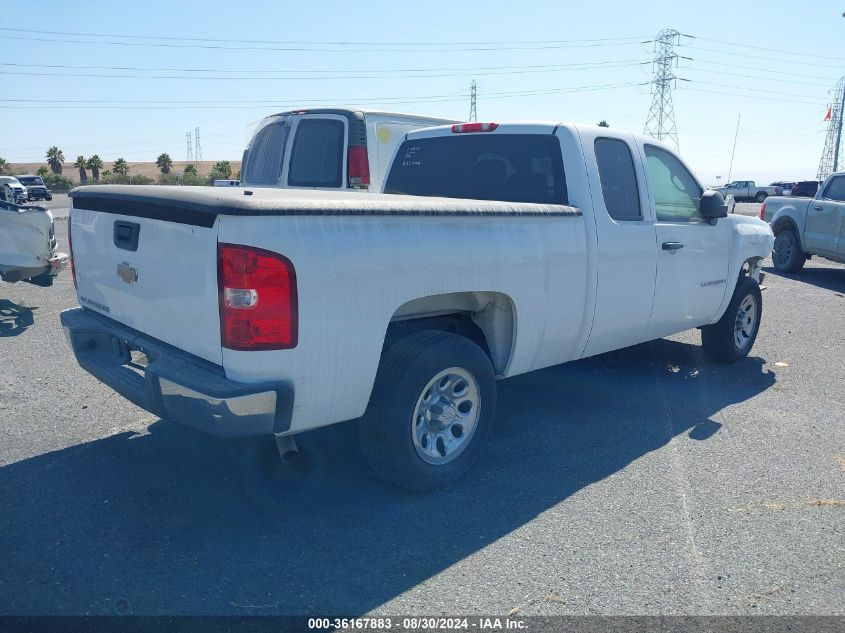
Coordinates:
70 247
358 167
258 300
763 210
460 128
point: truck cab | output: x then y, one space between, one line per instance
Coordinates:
326 148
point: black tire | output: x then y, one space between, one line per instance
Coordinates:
719 340
761 195
387 429
787 255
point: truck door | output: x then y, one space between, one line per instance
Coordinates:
625 228
693 256
823 231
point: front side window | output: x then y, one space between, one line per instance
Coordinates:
676 192
317 156
618 179
836 189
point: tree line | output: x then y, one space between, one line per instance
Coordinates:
52 171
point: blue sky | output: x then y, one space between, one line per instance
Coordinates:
536 63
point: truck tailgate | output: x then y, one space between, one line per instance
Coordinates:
153 275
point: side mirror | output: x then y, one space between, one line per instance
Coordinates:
712 206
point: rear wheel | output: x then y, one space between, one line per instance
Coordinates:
432 407
761 195
787 255
732 338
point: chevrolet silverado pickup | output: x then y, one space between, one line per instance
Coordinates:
270 312
804 227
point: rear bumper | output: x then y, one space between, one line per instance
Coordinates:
174 384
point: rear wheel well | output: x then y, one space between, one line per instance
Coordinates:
486 318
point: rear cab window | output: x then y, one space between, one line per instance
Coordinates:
317 154
508 167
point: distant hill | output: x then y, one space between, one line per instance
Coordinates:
135 168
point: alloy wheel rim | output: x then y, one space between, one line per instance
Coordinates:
446 415
783 249
746 322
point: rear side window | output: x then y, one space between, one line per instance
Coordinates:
510 167
618 179
266 154
836 189
317 156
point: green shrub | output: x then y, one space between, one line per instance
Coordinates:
57 182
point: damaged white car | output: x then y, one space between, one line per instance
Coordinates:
28 245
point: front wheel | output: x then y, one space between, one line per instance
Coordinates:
732 338
787 255
432 407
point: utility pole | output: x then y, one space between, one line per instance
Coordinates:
189 155
660 122
473 96
832 159
197 148
733 151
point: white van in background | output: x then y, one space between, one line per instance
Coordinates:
326 148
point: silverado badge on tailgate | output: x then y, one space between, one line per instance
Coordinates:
127 273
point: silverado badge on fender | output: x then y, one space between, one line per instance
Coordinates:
127 273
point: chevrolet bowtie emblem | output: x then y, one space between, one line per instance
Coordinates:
128 274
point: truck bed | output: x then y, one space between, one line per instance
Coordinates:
200 206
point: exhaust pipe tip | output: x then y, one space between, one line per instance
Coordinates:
288 450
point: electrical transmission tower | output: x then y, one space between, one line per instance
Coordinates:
473 97
660 123
189 155
832 155
197 148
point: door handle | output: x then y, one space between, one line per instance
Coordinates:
672 246
818 207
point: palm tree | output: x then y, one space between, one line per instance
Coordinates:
3 165
190 169
603 123
223 168
120 167
55 158
95 164
164 163
80 165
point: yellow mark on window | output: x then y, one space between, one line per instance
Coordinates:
384 135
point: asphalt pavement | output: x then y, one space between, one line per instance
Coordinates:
645 481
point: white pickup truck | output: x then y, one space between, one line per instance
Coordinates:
266 311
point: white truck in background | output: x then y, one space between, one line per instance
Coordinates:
749 191
299 309
326 148
804 227
28 247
